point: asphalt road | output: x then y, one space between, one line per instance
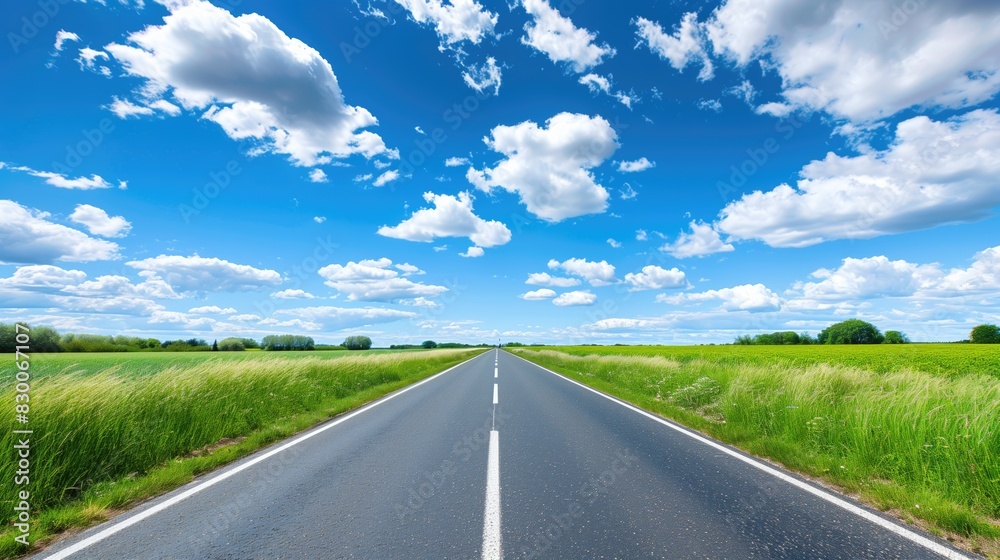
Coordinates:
498 458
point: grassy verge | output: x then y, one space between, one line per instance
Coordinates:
922 445
106 440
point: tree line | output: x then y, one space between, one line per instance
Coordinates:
856 331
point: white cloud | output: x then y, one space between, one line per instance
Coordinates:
549 167
872 277
455 22
596 83
200 274
293 294
614 244
596 273
450 217
556 36
211 310
374 280
544 279
363 178
88 60
245 318
484 76
275 89
864 60
408 269
653 277
456 162
933 173
711 105
579 297
473 252
318 176
538 295
337 318
421 302
98 222
62 181
63 37
982 276
319 219
641 235
123 108
640 164
703 240
680 49
755 298
29 238
387 177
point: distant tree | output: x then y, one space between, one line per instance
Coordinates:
895 337
152 343
231 345
215 345
45 339
357 343
249 343
985 334
287 342
851 331
429 344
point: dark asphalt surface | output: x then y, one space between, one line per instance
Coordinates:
580 477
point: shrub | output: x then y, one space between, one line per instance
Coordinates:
895 337
851 331
231 345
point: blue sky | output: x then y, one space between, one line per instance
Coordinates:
647 172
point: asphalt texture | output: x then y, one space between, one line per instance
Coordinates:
580 476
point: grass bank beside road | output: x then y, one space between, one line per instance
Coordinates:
110 431
923 444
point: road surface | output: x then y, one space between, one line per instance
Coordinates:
499 458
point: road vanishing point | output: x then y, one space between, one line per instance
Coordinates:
500 458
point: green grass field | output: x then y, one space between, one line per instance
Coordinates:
914 429
112 429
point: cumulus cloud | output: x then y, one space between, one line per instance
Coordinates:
653 277
683 47
318 176
375 280
275 90
596 273
549 167
30 238
293 294
455 22
554 35
614 244
211 310
450 217
63 37
934 173
538 295
456 162
755 298
545 279
201 274
703 240
854 59
579 297
640 164
98 222
473 252
386 178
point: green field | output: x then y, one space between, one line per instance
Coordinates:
112 429
910 428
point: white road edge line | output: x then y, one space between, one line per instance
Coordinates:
492 544
835 500
124 524
495 394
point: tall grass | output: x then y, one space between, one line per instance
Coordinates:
91 427
918 442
